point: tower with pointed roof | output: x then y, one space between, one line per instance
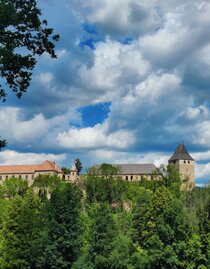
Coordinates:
185 165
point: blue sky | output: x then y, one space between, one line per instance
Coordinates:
131 81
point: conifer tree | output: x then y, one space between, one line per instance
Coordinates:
21 231
62 242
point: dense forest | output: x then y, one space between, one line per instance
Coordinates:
103 222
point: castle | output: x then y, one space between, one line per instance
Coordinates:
185 165
181 160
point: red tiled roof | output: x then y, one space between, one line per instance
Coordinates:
29 169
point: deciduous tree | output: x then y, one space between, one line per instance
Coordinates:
23 36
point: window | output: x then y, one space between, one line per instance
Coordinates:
32 176
0 177
20 176
152 177
126 178
184 161
26 177
6 177
131 177
188 161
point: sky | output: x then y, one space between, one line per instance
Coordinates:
131 81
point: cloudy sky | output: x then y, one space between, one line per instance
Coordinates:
131 81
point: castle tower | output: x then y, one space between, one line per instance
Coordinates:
73 173
185 165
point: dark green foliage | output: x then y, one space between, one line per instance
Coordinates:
104 189
102 235
12 187
3 144
78 165
115 224
62 244
23 35
102 186
65 170
21 231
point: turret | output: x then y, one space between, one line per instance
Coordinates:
185 165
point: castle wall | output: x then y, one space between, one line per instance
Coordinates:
186 169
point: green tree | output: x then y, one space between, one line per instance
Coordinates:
78 165
102 235
45 185
12 187
65 170
23 35
3 144
63 217
21 232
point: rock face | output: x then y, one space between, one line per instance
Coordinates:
185 165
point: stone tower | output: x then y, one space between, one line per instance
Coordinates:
185 165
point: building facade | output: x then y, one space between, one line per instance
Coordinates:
136 172
30 172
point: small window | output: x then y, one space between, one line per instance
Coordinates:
6 177
131 177
188 161
32 176
152 177
0 177
26 176
184 161
126 178
20 176
174 162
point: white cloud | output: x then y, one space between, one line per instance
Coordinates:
95 137
115 157
14 127
9 157
36 131
201 156
132 17
202 133
114 69
45 78
203 171
193 113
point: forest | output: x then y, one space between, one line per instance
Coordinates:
103 222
